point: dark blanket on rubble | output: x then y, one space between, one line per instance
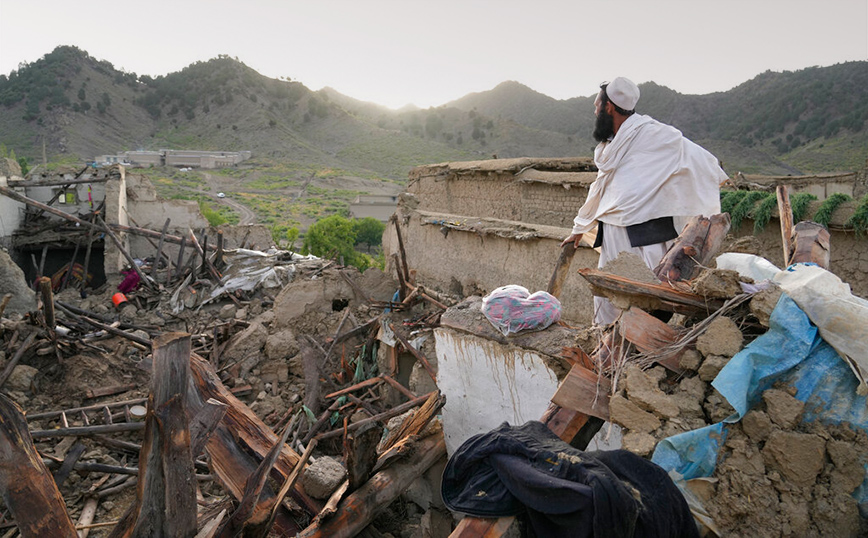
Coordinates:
562 491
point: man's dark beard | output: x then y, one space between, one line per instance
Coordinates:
604 128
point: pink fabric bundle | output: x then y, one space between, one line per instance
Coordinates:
513 308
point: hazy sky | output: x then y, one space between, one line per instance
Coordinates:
431 52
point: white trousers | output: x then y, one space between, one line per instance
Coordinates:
615 241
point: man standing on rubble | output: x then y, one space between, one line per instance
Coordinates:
650 181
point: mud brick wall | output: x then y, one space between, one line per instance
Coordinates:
481 257
501 196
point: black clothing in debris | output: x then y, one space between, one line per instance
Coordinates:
562 491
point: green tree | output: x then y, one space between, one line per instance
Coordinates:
368 231
25 166
334 236
81 94
292 236
213 217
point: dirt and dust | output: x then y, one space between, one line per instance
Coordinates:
789 482
775 472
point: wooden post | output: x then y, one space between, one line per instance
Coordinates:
28 488
71 264
199 250
402 283
693 249
13 362
166 493
218 260
180 260
404 268
562 269
786 215
87 257
204 252
47 302
41 270
811 244
160 250
360 453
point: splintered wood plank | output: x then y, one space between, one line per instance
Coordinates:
699 241
165 502
649 335
29 491
241 440
785 211
811 244
584 391
648 296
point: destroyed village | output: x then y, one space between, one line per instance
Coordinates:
234 306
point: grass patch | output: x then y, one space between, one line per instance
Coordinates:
859 220
827 208
799 203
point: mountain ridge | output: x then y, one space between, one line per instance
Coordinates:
791 122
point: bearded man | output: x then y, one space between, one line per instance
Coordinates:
650 181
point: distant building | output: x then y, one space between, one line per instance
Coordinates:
180 158
381 207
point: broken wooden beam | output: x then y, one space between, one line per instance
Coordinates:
241 440
28 489
402 268
785 212
252 517
811 244
693 249
417 422
166 493
160 250
13 362
360 453
358 509
415 352
108 391
584 391
47 303
648 296
649 335
562 269
79 431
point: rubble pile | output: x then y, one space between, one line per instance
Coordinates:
775 471
302 358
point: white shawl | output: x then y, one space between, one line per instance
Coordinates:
647 171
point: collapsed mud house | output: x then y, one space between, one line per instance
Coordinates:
307 366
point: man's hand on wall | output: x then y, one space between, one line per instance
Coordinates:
575 239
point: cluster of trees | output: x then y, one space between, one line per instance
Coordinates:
337 236
10 154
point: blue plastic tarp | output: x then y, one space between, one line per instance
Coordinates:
791 353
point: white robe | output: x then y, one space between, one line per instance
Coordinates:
647 171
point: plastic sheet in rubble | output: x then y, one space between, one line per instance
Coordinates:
792 353
247 270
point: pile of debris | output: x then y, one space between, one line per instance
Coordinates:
247 393
771 464
265 393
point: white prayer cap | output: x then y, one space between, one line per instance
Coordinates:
623 92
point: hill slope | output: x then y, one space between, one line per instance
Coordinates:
805 121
